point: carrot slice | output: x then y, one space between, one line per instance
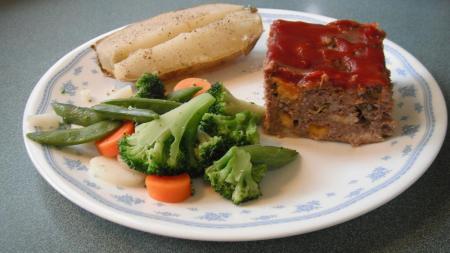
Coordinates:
109 146
193 82
171 189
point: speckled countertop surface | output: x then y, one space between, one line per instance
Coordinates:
35 218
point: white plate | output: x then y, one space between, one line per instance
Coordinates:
330 184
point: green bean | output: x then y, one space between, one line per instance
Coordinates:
72 114
183 95
75 136
273 157
123 113
159 106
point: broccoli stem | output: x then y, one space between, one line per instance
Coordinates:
228 104
241 106
202 136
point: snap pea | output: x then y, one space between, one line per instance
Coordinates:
183 95
75 136
72 114
159 106
273 157
124 113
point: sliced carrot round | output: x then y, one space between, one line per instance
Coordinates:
171 189
193 82
109 146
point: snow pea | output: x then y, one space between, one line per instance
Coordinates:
125 113
159 106
75 136
183 95
72 114
273 157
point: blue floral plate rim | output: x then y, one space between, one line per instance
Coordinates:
272 227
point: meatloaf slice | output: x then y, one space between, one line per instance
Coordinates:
328 82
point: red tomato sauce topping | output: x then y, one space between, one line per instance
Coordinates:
344 53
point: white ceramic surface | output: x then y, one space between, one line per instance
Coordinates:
330 183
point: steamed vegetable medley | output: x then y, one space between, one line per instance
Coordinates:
197 130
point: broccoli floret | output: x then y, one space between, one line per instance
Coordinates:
237 175
209 149
218 133
149 86
234 176
166 146
227 104
237 130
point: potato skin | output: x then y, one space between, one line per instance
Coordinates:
216 37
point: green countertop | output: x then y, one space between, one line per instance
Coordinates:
35 218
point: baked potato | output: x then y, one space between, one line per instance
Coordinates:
180 42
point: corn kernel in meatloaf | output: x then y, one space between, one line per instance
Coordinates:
328 82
